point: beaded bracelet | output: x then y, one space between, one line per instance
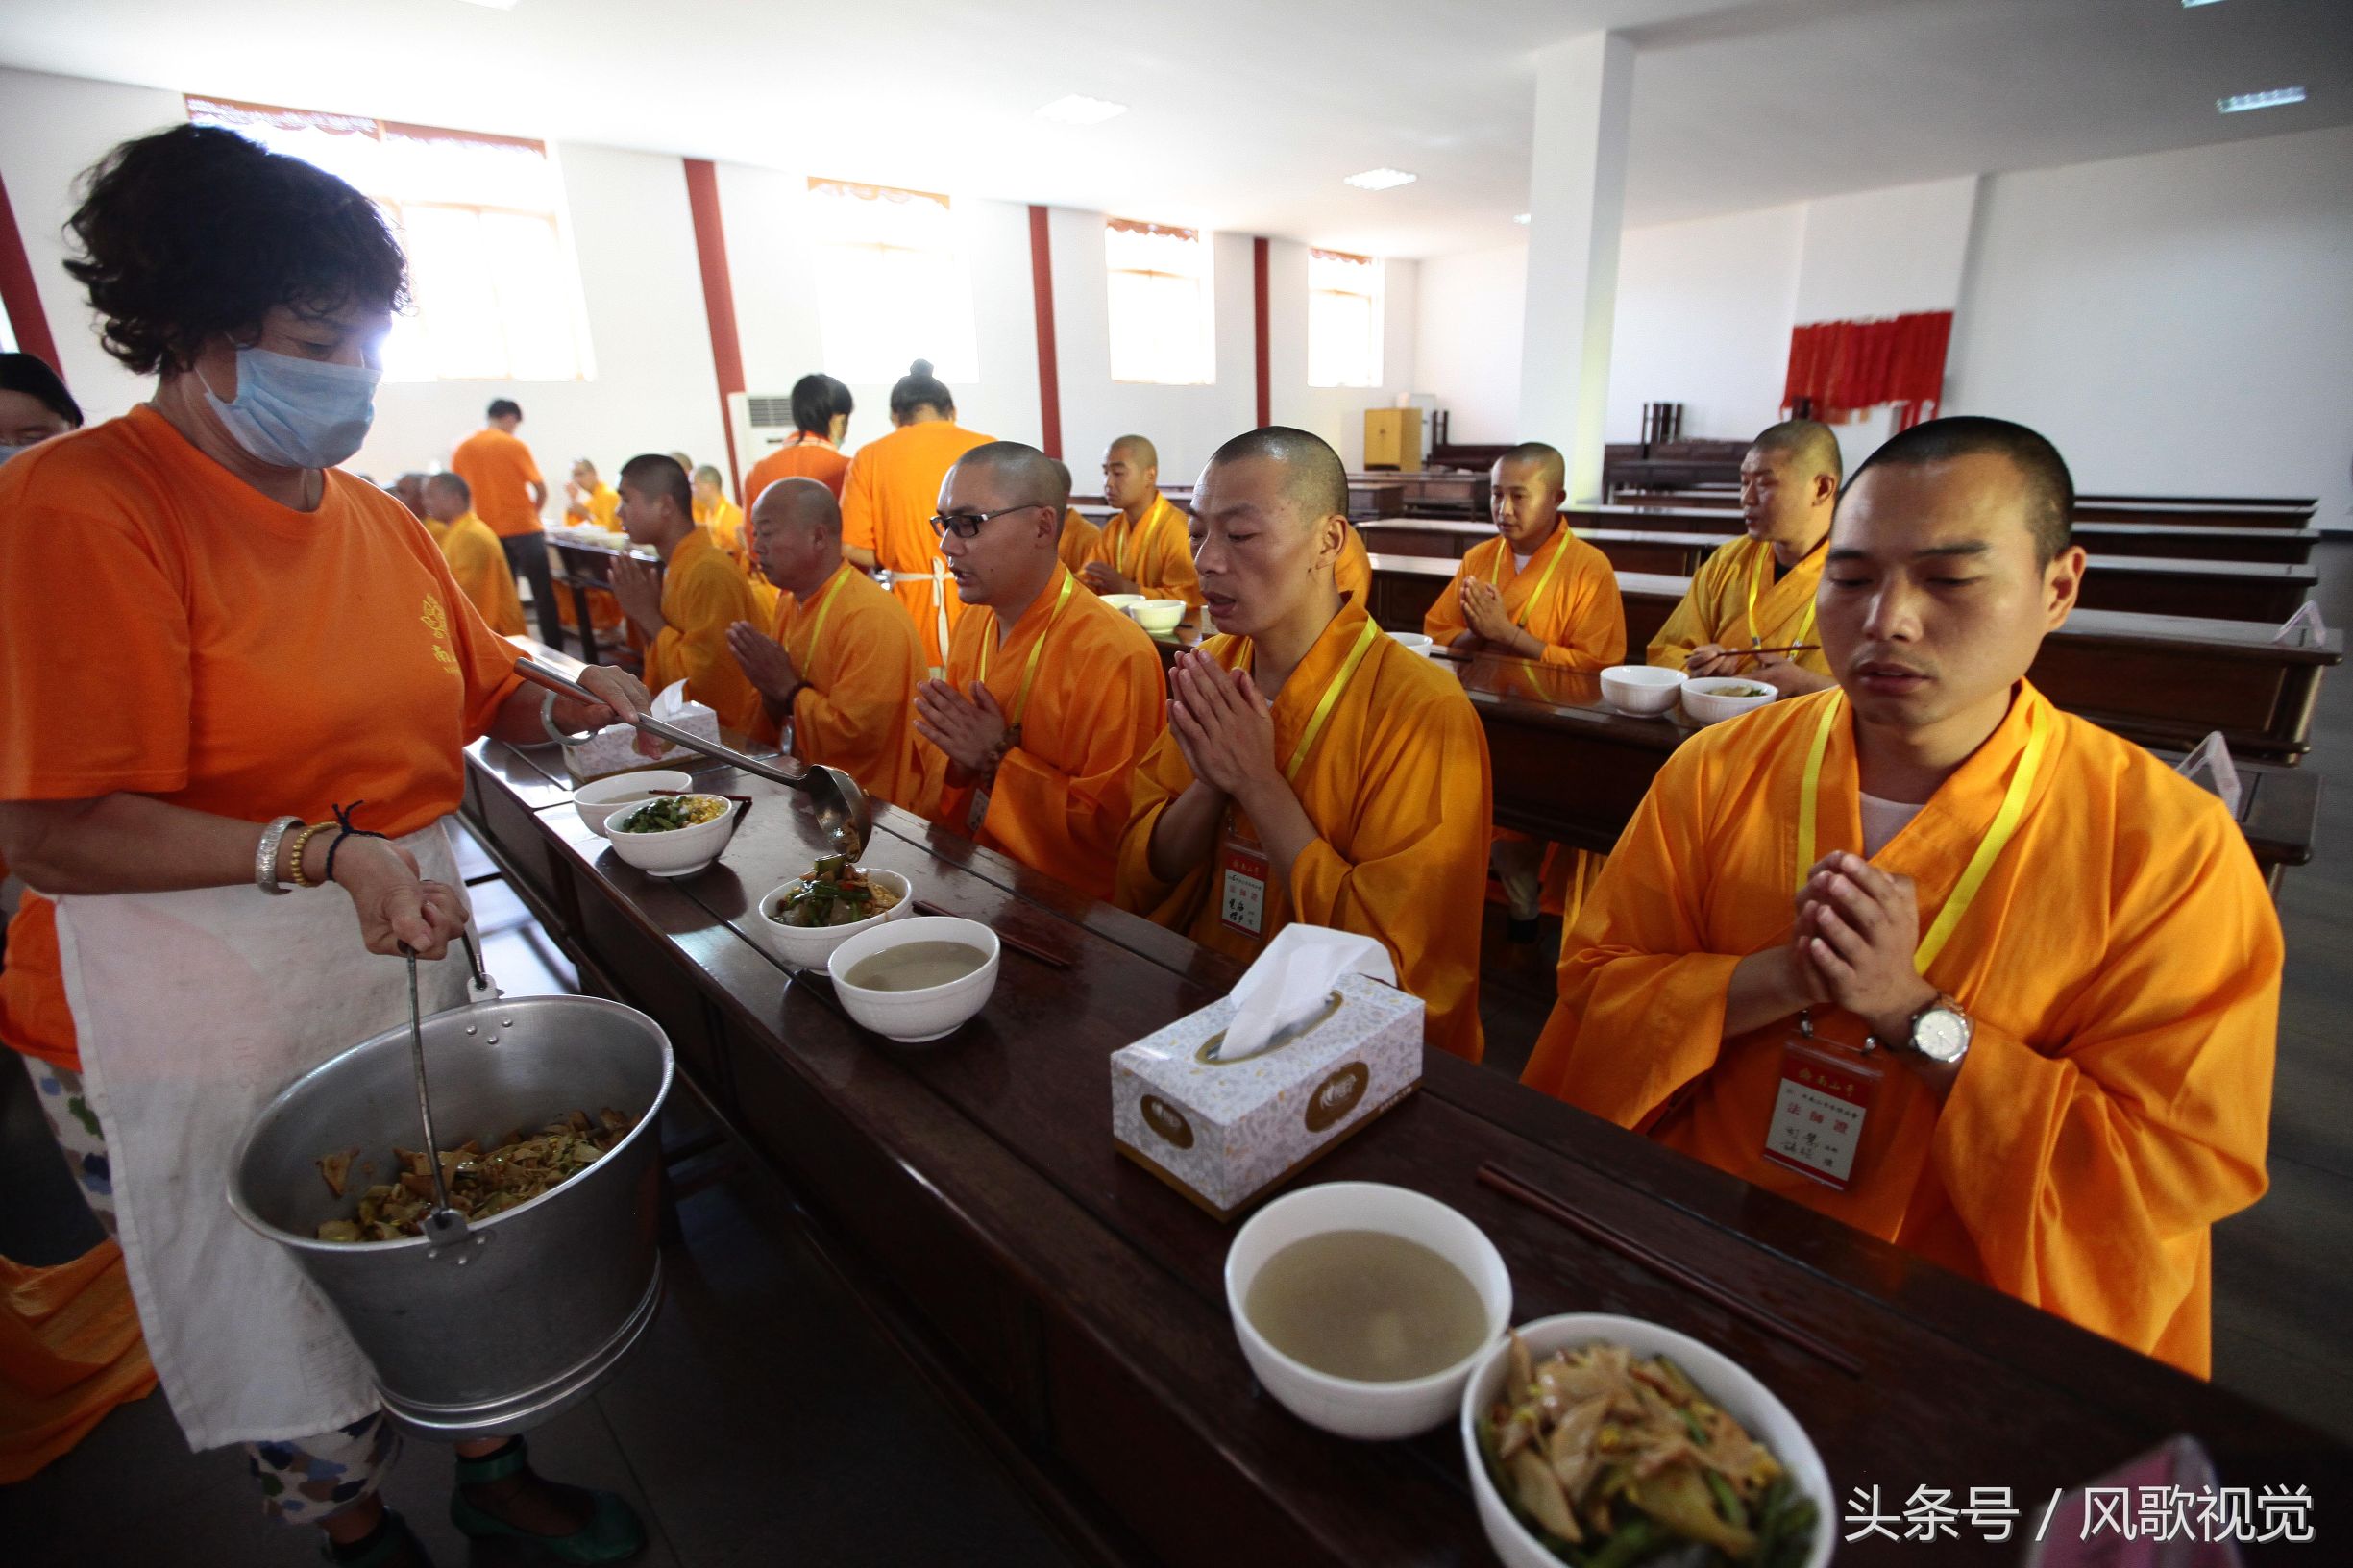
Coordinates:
302 842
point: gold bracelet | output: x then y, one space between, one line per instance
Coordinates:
302 842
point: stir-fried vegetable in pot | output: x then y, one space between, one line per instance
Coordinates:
515 1170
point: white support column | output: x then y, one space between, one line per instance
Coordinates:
1577 199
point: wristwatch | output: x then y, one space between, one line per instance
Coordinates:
1941 1032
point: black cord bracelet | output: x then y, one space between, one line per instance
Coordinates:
343 820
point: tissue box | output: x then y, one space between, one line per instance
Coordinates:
613 749
1223 1132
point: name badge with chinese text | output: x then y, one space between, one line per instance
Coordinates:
1242 870
1817 1125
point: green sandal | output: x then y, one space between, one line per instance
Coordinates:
385 1546
613 1533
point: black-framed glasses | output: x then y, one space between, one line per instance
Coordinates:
965 525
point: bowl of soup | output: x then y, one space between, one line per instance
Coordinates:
1641 689
917 979
1123 602
1363 1308
1158 616
1714 699
599 799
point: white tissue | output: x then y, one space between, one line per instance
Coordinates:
671 702
1292 981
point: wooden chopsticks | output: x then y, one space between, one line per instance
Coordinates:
1492 1175
1020 944
1794 648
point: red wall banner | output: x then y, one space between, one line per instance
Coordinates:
1845 367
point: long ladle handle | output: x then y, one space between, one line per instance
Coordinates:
424 1100
555 680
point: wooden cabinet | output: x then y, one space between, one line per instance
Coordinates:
1393 439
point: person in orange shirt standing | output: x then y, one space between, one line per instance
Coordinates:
1050 696
889 495
1536 592
683 611
1930 956
840 663
822 407
1143 548
472 552
507 494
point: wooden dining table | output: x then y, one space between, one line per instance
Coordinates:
2176 540
2196 513
2144 585
1071 1307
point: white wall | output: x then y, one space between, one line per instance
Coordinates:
655 389
1466 336
1185 424
1337 414
2178 322
1704 316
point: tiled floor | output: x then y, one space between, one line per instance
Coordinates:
766 1421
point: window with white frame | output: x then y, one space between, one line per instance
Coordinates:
892 284
491 268
1164 322
1344 319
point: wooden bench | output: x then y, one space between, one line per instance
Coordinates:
2164 680
2267 591
2088 509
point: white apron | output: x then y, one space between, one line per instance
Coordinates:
192 1010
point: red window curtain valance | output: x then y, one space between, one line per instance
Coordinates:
1842 368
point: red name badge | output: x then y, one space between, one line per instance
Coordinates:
1241 881
1817 1116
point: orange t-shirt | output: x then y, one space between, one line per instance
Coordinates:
173 634
811 457
888 504
497 468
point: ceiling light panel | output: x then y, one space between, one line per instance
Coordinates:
1077 108
2240 103
1381 179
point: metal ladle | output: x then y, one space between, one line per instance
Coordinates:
445 1226
839 805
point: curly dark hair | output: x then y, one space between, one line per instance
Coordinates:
196 230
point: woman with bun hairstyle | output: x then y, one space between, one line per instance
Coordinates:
240 685
893 492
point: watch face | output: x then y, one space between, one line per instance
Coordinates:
1941 1035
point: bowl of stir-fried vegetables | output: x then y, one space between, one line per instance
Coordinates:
673 835
1603 1442
805 920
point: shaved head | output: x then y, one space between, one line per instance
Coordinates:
1025 475
1810 445
1552 470
1140 451
1062 471
446 497
1314 479
707 475
797 502
797 534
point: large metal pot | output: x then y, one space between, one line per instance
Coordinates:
530 1310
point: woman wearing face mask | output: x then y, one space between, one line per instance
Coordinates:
234 672
34 405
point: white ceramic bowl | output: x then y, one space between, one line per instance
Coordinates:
1707 701
1721 1379
681 851
1643 688
599 797
1343 1404
806 947
1123 602
1414 639
913 1016
1158 616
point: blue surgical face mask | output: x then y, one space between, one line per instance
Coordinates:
7 452
298 413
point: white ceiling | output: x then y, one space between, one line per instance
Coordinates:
1245 114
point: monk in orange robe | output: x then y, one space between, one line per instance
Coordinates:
1757 591
1144 547
2042 964
822 407
1050 697
840 662
1536 592
682 612
1080 537
1314 768
477 559
891 494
